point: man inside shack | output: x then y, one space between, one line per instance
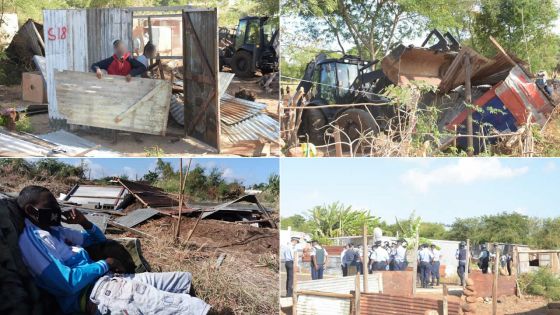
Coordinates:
58 263
120 63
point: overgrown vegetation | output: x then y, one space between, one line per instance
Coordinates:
505 227
371 28
543 282
23 124
204 184
230 12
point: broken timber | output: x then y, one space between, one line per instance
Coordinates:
141 105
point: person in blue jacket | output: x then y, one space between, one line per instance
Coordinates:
58 262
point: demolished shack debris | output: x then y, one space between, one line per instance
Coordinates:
136 202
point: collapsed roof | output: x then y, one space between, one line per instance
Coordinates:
135 202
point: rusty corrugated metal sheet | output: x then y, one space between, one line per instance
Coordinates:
374 304
240 119
152 196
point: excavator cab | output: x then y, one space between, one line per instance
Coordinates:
253 47
346 80
333 81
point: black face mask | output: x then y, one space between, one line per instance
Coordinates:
46 216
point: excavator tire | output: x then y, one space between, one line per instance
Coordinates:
354 122
241 64
314 122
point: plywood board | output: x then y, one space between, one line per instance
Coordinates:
200 59
142 104
33 88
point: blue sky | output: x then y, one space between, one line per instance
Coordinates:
438 189
249 171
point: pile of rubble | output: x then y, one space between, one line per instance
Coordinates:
469 298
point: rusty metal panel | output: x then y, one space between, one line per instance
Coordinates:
65 34
104 27
150 195
483 284
200 60
371 303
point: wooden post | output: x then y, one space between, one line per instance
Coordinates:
337 142
415 265
294 284
182 186
160 66
178 228
495 283
357 295
445 302
467 264
365 259
150 34
455 137
468 100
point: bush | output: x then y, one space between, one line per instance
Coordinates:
22 125
543 282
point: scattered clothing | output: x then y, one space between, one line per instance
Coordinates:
147 293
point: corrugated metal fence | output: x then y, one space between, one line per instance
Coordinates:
75 39
371 303
316 305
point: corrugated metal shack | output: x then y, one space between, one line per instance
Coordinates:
76 38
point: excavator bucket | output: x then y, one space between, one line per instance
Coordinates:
426 63
405 64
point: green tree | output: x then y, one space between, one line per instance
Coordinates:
523 27
336 219
434 231
151 177
297 222
164 169
373 26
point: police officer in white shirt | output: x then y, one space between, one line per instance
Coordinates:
425 258
289 254
400 256
435 265
381 257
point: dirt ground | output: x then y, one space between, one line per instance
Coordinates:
510 305
270 99
138 145
247 280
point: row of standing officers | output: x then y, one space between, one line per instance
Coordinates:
382 257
